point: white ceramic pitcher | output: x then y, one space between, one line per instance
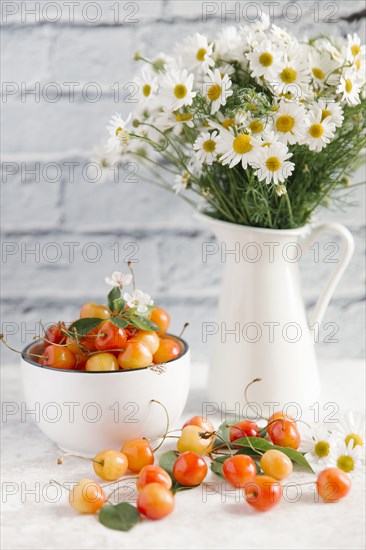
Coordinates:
261 303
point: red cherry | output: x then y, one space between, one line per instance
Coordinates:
285 434
243 429
238 470
153 474
54 333
263 492
190 469
277 416
59 357
110 337
203 423
168 349
155 501
333 484
161 318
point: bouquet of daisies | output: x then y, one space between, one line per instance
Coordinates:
254 127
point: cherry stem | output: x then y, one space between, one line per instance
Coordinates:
185 326
118 481
132 273
61 459
251 446
2 339
167 424
53 481
247 400
225 443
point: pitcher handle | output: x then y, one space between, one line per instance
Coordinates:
348 248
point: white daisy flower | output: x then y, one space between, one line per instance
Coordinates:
333 110
119 279
354 47
282 37
139 300
147 84
168 120
234 149
346 457
265 60
294 77
181 182
196 53
272 163
290 122
269 137
217 89
230 45
319 132
118 131
256 127
176 89
359 66
226 68
206 146
333 51
351 428
349 87
317 443
321 64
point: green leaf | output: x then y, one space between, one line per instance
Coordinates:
142 323
82 326
121 517
114 294
119 304
264 445
119 322
167 460
222 434
216 467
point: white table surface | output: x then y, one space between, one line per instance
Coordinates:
30 521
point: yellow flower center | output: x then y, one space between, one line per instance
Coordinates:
356 438
325 114
358 64
209 146
146 90
227 123
119 130
346 463
201 54
242 144
266 144
273 164
256 126
183 117
322 449
316 130
285 123
288 75
355 49
180 91
318 73
348 86
266 59
214 92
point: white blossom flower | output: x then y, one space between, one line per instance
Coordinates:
321 65
234 149
290 122
349 87
118 133
319 132
196 53
176 89
230 45
351 428
167 120
272 163
265 60
181 182
119 279
139 300
318 443
333 110
281 37
256 126
346 457
206 146
217 89
294 76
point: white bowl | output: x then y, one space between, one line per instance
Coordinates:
87 412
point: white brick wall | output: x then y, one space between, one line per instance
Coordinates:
36 212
